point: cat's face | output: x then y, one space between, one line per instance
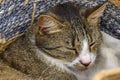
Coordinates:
74 40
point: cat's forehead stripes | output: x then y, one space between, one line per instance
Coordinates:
77 26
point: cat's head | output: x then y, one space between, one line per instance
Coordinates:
66 34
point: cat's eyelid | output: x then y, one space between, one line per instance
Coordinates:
91 44
51 48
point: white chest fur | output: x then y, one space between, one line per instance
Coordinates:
110 48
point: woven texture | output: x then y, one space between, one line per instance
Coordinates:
15 17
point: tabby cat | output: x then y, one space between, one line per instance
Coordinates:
65 44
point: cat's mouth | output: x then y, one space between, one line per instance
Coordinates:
80 67
77 67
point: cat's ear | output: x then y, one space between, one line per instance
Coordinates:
48 24
85 12
96 13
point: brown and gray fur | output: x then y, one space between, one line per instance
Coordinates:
58 34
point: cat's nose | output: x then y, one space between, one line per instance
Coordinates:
85 63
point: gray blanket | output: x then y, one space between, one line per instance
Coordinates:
15 15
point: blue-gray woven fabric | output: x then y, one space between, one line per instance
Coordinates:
15 17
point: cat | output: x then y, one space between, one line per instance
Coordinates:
65 44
